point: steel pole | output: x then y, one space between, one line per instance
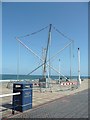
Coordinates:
79 66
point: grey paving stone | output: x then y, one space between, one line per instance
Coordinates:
74 106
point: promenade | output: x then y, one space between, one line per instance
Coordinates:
72 106
58 98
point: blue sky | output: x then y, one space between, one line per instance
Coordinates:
23 18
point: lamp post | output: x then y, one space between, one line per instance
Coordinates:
79 66
59 70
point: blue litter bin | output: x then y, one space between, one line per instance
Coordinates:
23 101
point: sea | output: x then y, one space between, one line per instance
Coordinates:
32 77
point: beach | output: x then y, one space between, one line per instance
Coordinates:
42 96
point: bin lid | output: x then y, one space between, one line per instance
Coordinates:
22 83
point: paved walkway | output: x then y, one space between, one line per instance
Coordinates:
39 98
72 106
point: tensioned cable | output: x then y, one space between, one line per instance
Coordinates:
51 57
68 39
34 32
42 30
64 36
61 33
37 56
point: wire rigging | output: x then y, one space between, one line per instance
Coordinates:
61 33
51 58
45 62
33 33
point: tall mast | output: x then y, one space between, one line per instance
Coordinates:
43 57
49 56
49 34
